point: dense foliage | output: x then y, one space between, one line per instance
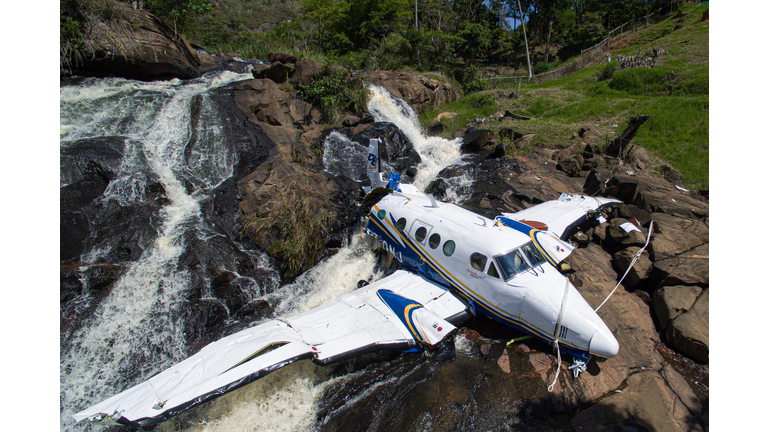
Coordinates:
447 35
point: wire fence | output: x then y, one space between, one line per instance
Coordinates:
595 54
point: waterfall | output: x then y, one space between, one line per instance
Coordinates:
436 152
137 330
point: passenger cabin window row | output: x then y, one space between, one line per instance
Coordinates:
449 247
510 264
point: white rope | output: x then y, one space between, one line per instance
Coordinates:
556 344
634 259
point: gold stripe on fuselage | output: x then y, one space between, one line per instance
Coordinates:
491 307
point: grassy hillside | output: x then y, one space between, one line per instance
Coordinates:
674 93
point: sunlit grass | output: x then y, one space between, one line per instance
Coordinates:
675 94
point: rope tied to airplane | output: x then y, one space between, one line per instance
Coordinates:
556 344
580 366
634 259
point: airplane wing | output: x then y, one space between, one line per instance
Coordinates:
401 311
563 214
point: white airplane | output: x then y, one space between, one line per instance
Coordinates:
459 264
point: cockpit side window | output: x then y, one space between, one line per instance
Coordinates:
477 261
512 263
534 255
519 260
492 270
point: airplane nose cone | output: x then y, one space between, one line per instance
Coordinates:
603 345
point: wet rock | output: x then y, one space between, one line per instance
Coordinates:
437 188
671 301
688 333
102 276
225 288
256 309
86 219
397 150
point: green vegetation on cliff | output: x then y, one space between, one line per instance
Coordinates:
674 93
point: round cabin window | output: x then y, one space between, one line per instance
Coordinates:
449 247
434 240
381 214
401 224
421 234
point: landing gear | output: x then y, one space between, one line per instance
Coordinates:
578 367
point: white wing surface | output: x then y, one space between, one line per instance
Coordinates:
409 310
562 214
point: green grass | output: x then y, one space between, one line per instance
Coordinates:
674 93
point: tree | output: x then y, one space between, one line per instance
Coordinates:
176 12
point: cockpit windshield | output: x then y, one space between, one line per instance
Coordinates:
519 260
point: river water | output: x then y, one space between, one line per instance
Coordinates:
138 328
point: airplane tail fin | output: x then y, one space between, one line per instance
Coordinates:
373 167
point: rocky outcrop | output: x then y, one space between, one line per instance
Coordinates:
420 91
288 199
133 44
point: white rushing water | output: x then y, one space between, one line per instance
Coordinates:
436 152
138 322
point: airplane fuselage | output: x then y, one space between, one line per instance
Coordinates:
503 270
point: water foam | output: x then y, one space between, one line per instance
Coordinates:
137 329
436 152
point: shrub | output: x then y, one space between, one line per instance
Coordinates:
332 92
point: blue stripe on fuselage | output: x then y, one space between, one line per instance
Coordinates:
407 252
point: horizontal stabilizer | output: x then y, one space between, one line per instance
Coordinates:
426 327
